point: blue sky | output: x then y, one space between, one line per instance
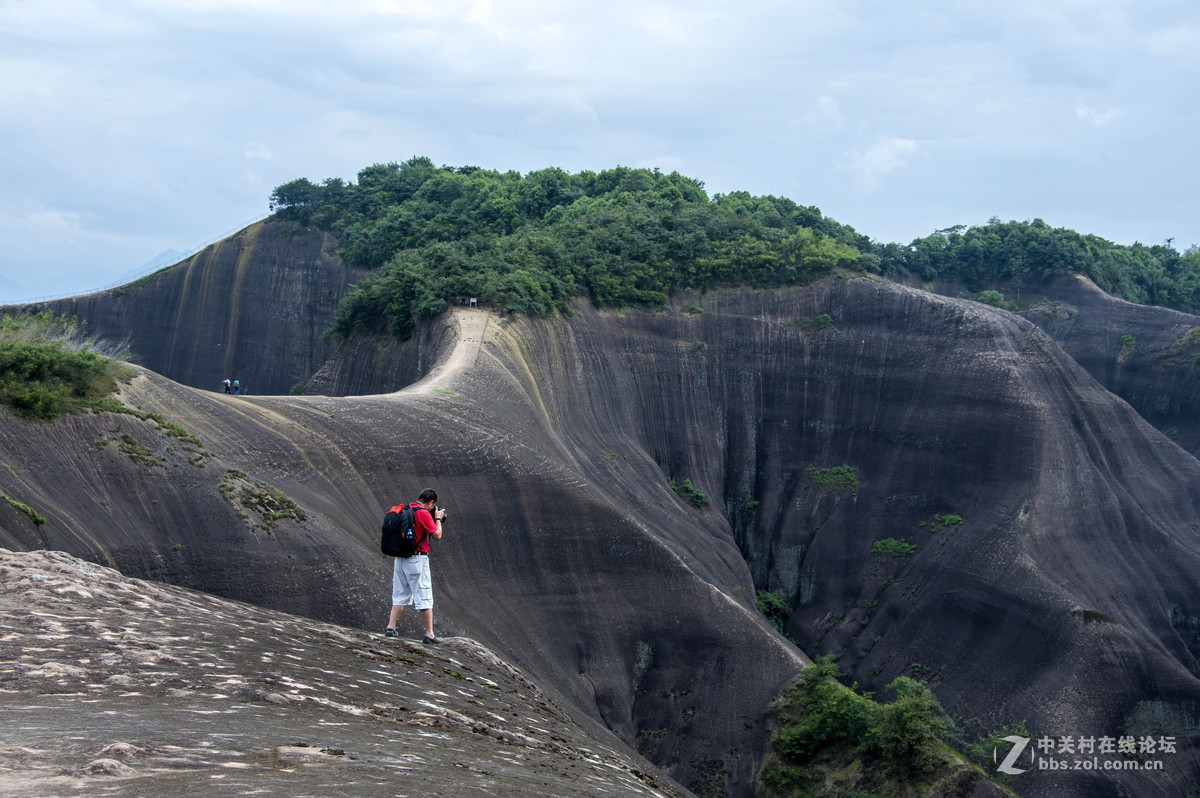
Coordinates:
133 127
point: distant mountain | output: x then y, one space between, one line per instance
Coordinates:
164 258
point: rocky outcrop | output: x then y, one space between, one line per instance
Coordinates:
251 307
168 692
1055 534
366 364
1148 356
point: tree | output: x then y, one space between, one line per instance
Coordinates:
775 608
296 194
993 298
911 729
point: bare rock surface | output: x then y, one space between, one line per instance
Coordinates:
251 307
1056 534
1149 356
111 686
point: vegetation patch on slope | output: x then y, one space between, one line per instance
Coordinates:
831 740
775 608
48 367
1024 256
261 505
840 479
37 518
690 493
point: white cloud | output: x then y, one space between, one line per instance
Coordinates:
1182 42
1097 117
153 125
885 156
54 224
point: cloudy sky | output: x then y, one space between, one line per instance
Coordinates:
129 128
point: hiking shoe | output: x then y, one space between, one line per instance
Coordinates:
389 632
428 639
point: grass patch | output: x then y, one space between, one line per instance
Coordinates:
690 493
822 321
841 479
137 453
176 431
37 518
893 547
48 367
263 505
1128 344
170 428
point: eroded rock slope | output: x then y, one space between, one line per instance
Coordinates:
628 606
169 692
252 307
1045 538
1148 356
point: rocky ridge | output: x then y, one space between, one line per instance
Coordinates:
170 692
1148 356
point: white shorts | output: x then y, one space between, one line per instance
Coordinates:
411 582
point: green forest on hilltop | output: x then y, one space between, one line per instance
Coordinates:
1016 256
531 243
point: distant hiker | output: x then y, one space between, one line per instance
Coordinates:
237 388
411 580
228 387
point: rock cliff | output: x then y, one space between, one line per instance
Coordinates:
1148 356
251 307
1044 538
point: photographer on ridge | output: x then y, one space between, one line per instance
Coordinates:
411 579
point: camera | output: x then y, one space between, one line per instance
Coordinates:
445 515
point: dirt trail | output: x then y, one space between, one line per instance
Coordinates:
473 324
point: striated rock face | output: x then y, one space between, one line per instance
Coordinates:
1148 356
1056 534
1046 538
251 307
168 692
631 613
370 364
